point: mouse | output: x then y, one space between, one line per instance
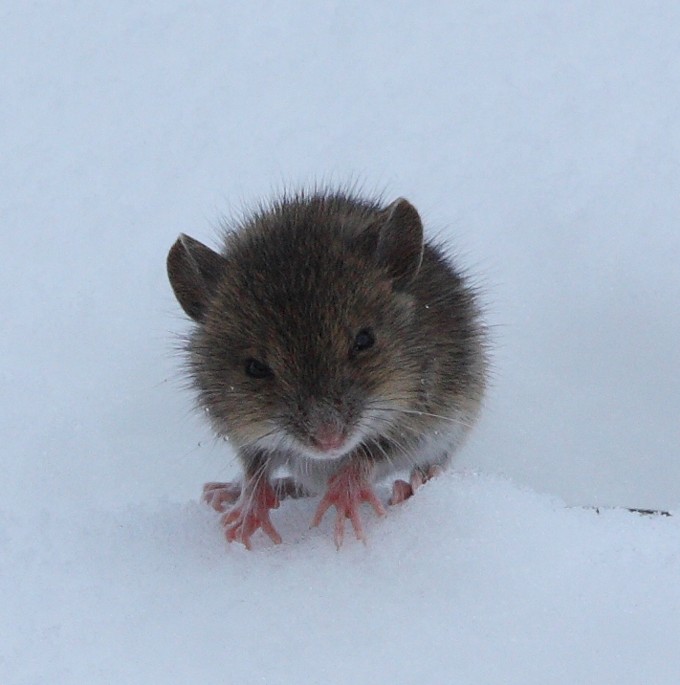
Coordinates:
334 344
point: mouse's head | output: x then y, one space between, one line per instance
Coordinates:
304 337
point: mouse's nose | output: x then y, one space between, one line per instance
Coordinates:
328 437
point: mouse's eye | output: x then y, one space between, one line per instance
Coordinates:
257 369
364 339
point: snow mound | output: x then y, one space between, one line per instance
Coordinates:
474 580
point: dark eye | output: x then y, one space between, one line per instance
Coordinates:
364 339
256 369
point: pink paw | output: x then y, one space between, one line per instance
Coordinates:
218 495
401 490
346 491
250 513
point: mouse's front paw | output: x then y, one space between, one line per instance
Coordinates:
250 513
401 490
347 489
220 495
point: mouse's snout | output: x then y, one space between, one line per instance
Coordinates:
325 430
328 437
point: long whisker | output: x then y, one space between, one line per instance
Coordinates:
418 412
402 449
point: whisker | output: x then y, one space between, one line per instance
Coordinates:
418 412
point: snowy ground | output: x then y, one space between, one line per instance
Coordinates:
542 138
492 584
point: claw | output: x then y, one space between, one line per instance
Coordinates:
346 491
250 513
218 495
401 490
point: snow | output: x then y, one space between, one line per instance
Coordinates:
494 584
542 139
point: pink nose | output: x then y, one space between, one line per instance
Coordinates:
328 438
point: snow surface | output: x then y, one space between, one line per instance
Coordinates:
542 139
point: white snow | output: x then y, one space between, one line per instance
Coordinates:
542 139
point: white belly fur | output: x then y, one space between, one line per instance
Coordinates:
437 448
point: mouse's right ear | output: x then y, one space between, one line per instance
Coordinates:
194 270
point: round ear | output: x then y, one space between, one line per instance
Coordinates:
400 242
194 270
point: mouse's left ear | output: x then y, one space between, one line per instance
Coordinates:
400 242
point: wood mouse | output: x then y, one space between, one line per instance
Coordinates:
334 342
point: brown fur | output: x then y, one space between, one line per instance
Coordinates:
293 286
